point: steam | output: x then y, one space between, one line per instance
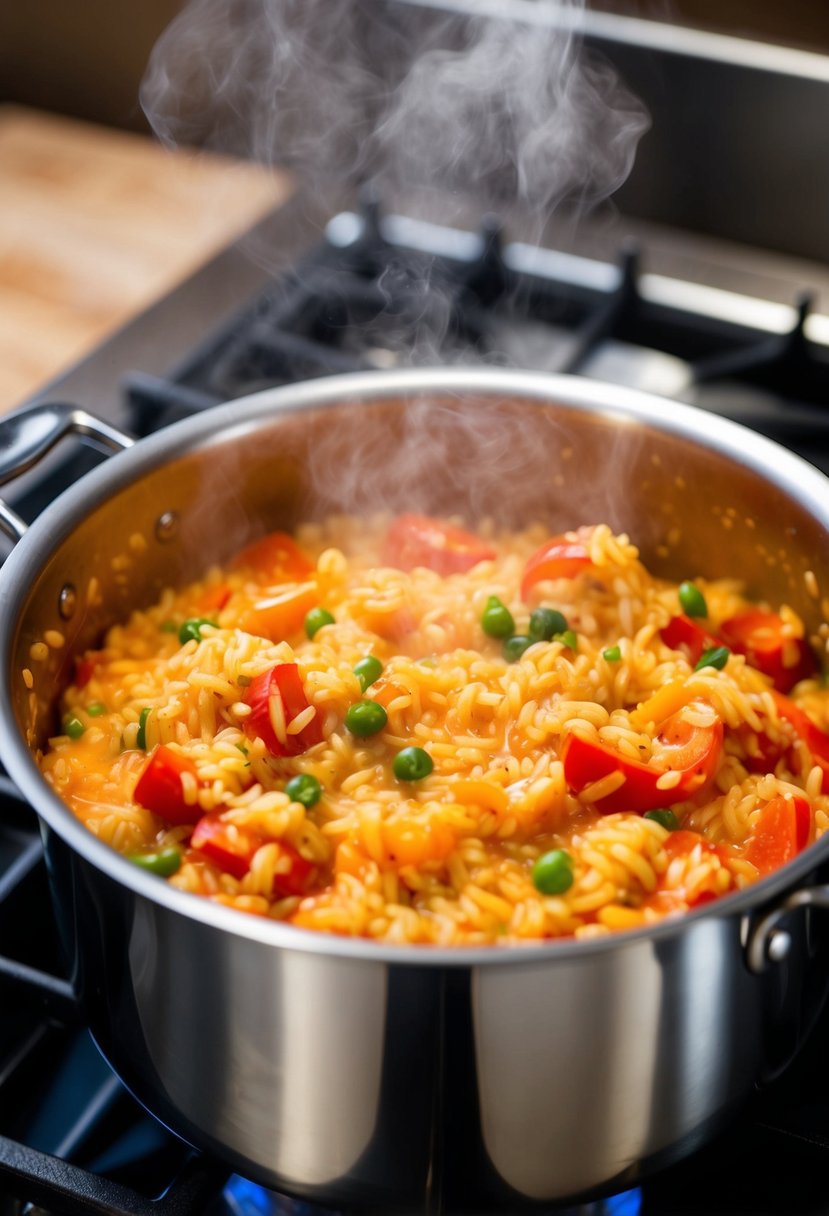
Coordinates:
393 94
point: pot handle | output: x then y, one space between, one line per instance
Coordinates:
766 943
27 435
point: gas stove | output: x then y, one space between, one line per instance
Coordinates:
639 297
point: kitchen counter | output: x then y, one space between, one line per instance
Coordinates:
96 224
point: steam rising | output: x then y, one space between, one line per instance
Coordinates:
390 93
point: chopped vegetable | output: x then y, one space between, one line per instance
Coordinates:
716 657
96 709
365 718
496 619
691 600
612 654
553 872
141 737
681 746
316 619
305 789
419 540
781 832
276 558
73 726
665 818
160 788
557 558
213 599
368 670
412 764
515 646
762 638
279 616
816 740
681 633
545 623
277 697
231 847
163 862
568 639
191 630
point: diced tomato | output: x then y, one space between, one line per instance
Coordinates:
782 831
557 558
684 841
419 540
683 633
803 726
760 637
292 872
279 616
276 557
160 790
232 848
279 694
681 746
85 668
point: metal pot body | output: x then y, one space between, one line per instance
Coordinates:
350 1073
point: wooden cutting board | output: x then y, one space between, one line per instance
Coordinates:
96 224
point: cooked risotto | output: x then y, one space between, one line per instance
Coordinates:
405 731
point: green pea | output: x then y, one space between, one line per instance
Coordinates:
73 726
96 709
496 619
163 863
553 873
515 646
412 764
691 600
368 670
141 737
568 638
716 657
613 654
315 619
545 623
305 789
191 630
365 718
665 818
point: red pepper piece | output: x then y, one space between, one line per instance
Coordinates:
760 637
557 558
681 746
159 787
782 831
683 633
419 540
280 689
232 848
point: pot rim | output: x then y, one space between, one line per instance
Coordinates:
800 480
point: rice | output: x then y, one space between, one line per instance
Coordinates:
451 856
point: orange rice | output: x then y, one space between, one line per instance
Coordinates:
447 859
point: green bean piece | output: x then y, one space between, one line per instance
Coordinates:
545 623
164 862
553 872
315 619
691 600
368 670
304 788
191 630
665 818
716 657
141 737
612 654
496 619
365 718
568 638
515 646
73 726
412 764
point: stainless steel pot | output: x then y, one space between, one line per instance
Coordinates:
349 1072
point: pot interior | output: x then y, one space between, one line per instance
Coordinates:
693 506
